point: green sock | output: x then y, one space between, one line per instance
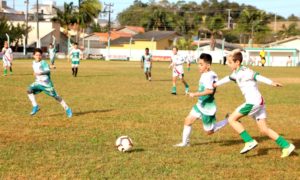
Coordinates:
186 86
5 71
282 142
246 137
174 89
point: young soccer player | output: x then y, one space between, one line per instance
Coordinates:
43 83
52 52
178 72
75 55
7 58
205 109
146 64
254 106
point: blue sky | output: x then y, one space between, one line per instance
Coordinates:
281 7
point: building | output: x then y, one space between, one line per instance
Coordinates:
155 40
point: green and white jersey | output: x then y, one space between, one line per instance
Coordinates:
206 104
177 62
146 59
246 80
7 54
75 55
52 53
42 67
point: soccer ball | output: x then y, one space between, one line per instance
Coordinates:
124 144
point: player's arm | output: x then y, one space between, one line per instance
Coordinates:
225 80
142 61
265 80
203 93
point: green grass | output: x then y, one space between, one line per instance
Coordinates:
110 99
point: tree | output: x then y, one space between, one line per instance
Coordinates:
291 30
65 17
88 11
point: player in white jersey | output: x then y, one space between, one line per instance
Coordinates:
52 53
146 64
7 58
43 83
254 106
206 108
75 55
177 62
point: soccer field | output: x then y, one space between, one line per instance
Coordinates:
110 99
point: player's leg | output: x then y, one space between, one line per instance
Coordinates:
233 120
174 79
187 88
73 69
187 128
220 124
64 105
76 70
287 148
149 74
33 89
10 69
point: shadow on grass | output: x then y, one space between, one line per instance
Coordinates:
85 112
135 150
161 80
231 142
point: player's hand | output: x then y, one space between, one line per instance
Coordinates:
37 74
276 84
191 95
214 85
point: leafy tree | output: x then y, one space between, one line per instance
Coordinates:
65 17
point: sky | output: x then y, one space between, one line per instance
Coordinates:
280 7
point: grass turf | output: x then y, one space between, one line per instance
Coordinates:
110 99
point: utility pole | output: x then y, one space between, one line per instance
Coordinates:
108 9
14 6
229 18
275 23
26 32
37 25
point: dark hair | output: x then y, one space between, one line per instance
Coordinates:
206 58
37 50
50 44
237 56
147 49
175 48
76 43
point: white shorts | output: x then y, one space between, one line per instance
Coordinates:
178 72
75 65
6 63
208 122
257 112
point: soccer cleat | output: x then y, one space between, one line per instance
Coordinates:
35 109
149 79
174 93
181 145
69 112
248 146
287 151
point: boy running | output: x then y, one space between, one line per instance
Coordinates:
43 83
146 64
254 106
52 52
205 109
75 55
7 58
177 62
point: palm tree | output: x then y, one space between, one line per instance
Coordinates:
88 11
66 17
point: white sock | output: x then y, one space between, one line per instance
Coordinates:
186 134
220 124
64 104
32 99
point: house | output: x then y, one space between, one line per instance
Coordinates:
155 40
132 30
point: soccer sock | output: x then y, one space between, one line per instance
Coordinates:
5 71
282 142
64 104
76 71
174 89
186 134
10 69
32 99
246 137
186 86
73 71
220 124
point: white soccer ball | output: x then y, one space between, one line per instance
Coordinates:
124 143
